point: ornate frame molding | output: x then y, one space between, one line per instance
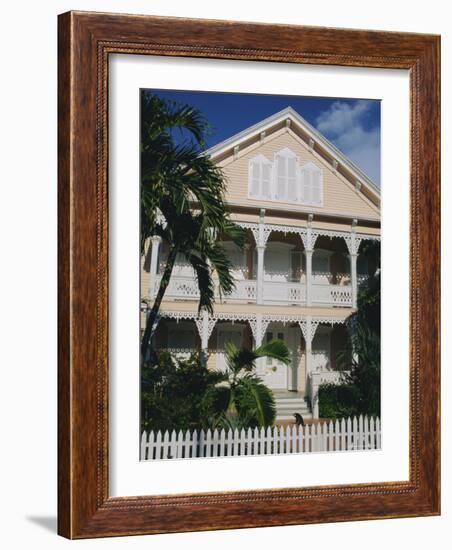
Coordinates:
86 40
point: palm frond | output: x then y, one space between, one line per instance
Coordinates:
252 389
276 349
205 281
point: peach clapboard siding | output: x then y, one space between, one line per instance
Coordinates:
144 270
339 197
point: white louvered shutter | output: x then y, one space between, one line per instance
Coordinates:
255 178
281 177
316 187
266 179
292 190
306 182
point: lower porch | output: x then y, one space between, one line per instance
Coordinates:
315 354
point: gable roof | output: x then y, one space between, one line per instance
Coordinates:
289 117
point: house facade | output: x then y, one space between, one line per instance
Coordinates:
306 210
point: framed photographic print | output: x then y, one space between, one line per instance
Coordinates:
248 275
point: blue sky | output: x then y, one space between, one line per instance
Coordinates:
352 125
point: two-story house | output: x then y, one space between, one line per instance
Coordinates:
306 209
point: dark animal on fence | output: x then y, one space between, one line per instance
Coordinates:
299 419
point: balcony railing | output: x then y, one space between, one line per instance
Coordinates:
285 293
332 294
274 292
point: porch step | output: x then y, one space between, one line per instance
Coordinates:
288 403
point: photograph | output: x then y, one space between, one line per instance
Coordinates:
260 274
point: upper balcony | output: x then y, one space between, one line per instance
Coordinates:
284 273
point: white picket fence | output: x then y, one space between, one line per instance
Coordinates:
351 434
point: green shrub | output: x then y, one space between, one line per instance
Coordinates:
175 394
338 400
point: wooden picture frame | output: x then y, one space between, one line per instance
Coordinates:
86 40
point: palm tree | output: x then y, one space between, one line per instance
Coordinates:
249 401
182 200
360 358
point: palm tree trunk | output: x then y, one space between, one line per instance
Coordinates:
146 340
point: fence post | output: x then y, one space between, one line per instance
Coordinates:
292 436
230 443
173 444
366 433
222 442
166 443
300 438
215 442
201 444
144 446
355 433
361 432
378 437
372 432
349 434
236 442
208 443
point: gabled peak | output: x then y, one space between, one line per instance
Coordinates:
290 121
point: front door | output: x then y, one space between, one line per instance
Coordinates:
227 334
273 372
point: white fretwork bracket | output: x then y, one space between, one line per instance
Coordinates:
309 239
353 241
199 321
308 329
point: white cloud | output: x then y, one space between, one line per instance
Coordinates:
343 124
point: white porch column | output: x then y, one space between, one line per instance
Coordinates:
259 335
205 325
351 328
260 247
353 243
308 254
354 278
309 241
308 342
155 241
260 274
258 338
205 332
308 328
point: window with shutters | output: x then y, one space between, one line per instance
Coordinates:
260 177
311 184
286 176
284 180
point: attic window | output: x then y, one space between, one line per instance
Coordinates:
260 178
284 180
286 176
311 184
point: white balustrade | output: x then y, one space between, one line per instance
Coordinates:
274 292
244 290
332 295
181 287
282 292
